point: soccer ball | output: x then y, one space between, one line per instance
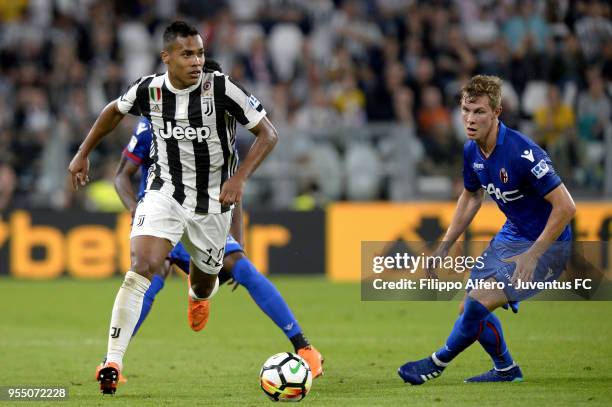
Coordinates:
285 377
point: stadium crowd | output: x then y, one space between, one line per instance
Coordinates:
363 92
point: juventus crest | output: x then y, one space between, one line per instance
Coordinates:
207 105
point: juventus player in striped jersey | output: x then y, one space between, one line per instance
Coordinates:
193 183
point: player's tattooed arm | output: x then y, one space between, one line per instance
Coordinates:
265 140
106 122
123 184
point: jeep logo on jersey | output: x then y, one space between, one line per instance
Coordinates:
187 133
505 197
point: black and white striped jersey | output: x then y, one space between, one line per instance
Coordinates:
194 134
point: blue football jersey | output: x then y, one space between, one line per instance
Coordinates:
138 150
517 175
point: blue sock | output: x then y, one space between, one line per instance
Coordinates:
157 283
266 296
466 331
492 340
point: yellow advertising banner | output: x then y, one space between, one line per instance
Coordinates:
348 224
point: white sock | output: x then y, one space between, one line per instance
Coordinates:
437 361
193 295
507 368
126 312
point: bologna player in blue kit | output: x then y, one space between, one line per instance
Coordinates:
236 265
533 244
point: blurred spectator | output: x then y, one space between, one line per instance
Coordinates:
556 131
483 30
594 107
318 113
354 29
454 56
259 69
432 113
285 43
594 30
594 119
525 27
100 193
555 120
349 101
434 124
379 100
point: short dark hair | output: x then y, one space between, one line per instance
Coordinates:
178 29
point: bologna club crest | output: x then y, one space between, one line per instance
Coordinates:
503 175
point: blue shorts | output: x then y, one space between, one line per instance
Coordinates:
550 266
180 257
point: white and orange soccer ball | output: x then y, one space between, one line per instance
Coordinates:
285 377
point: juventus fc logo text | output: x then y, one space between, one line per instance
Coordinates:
141 219
115 332
207 106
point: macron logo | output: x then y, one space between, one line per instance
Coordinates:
142 126
528 154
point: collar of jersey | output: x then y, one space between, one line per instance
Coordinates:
501 133
181 91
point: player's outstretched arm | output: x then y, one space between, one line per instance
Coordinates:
468 204
123 184
265 140
106 122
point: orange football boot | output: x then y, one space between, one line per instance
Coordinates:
197 312
314 359
108 375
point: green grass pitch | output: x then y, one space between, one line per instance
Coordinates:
55 333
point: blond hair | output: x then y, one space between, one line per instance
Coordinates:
483 85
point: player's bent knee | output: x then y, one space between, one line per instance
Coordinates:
147 267
488 298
